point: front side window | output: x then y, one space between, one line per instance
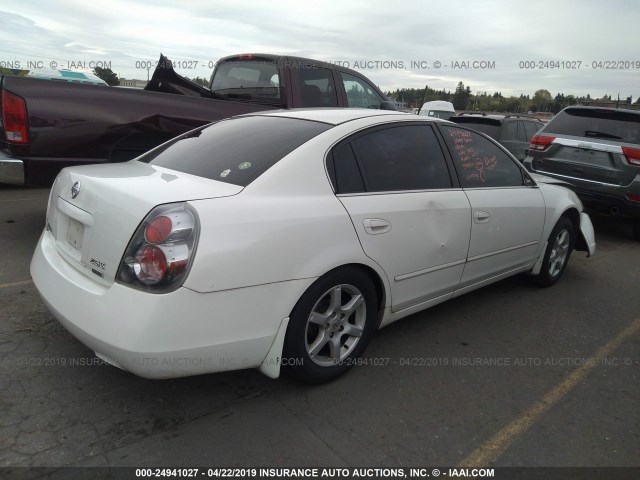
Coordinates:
479 161
391 159
359 93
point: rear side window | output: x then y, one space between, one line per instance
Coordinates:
317 87
392 159
480 163
235 151
597 123
348 178
522 134
509 131
531 128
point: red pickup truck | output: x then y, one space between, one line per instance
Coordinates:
47 125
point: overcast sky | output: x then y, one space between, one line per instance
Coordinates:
389 35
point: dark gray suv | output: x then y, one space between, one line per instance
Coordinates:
513 132
598 151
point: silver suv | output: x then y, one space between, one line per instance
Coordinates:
598 151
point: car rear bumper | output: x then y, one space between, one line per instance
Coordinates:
11 170
598 197
608 204
159 335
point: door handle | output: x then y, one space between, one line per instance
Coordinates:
376 226
481 217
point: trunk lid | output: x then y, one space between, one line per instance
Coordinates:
94 210
597 161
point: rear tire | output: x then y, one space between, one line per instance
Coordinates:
559 248
330 326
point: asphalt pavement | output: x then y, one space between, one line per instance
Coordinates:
509 375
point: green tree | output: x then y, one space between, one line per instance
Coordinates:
542 99
461 97
203 82
107 75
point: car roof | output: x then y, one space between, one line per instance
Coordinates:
336 116
595 107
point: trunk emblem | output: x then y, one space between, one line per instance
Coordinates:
75 190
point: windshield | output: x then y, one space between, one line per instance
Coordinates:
444 114
248 80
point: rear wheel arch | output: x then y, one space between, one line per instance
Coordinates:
325 336
381 290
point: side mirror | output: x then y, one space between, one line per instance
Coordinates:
387 105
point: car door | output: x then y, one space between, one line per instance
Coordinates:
507 208
411 219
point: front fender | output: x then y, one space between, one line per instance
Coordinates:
588 241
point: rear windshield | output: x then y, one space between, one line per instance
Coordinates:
597 123
254 81
488 126
235 151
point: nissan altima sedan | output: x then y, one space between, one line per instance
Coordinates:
285 239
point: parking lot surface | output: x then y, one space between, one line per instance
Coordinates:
509 375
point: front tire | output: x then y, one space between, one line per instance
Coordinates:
330 326
559 248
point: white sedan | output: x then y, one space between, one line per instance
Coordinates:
285 239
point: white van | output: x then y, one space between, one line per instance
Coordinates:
438 109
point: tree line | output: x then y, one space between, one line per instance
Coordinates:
463 99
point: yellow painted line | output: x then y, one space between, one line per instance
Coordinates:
15 284
496 445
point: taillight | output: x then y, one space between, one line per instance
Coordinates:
158 230
161 250
14 118
634 197
632 155
150 264
540 142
